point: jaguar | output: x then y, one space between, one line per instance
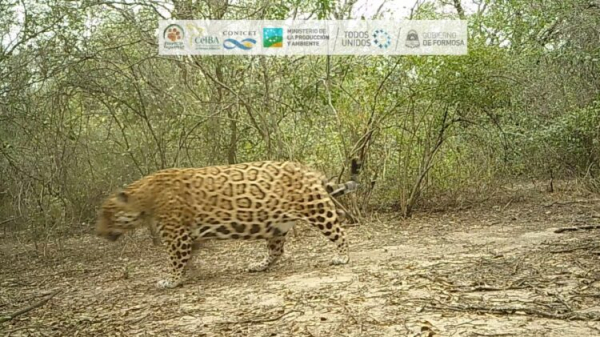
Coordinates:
259 200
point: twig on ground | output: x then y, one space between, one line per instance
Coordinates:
8 220
375 321
518 266
578 228
505 310
564 302
309 332
571 202
263 320
356 320
29 308
488 288
507 204
569 250
35 326
139 319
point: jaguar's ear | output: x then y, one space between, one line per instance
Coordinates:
122 196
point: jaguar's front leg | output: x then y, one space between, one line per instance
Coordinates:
179 249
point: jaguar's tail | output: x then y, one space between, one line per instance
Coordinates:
336 190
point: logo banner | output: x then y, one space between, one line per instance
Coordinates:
312 37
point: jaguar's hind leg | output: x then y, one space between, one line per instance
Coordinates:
327 220
275 245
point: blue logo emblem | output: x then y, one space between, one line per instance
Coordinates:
382 39
245 44
273 37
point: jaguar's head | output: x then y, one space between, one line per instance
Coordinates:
118 215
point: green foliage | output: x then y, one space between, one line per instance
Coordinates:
87 105
572 140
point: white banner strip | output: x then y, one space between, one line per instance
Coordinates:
312 37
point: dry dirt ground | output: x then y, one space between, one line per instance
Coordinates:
487 270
